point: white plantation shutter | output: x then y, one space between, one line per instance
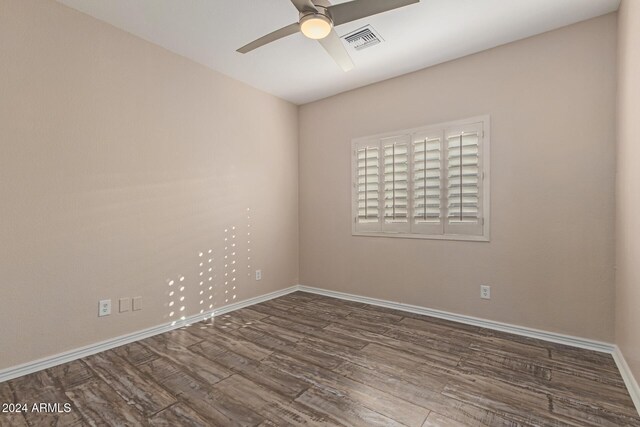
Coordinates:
430 182
427 183
396 183
463 194
367 176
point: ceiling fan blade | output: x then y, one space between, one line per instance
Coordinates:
334 47
276 35
304 6
357 9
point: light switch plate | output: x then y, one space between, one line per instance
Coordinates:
137 303
125 304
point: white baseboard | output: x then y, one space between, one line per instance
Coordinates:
627 376
469 320
68 356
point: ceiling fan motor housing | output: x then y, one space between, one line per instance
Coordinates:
316 25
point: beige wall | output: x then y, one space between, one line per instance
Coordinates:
119 163
628 187
550 260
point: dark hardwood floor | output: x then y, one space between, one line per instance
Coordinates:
306 359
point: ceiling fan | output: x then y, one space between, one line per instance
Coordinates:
318 19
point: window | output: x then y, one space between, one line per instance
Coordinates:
430 182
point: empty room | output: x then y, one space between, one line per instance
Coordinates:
322 213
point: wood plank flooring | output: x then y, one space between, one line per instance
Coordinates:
306 359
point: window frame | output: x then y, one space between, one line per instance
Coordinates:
427 231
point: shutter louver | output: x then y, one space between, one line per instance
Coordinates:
368 182
396 176
426 180
464 181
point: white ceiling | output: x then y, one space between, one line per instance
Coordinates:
299 70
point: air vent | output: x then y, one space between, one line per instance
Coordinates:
363 38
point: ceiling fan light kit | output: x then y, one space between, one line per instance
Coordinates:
318 19
315 26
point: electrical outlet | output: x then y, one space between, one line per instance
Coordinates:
104 308
485 291
124 305
137 303
258 274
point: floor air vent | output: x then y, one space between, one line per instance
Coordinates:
363 38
